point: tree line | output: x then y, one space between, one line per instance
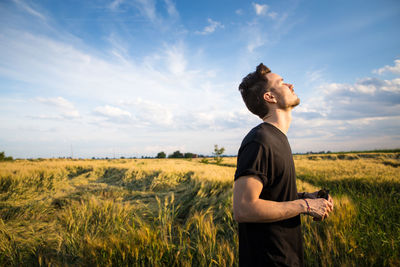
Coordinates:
176 155
218 152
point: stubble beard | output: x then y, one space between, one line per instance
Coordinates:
290 105
296 102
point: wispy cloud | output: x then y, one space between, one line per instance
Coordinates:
314 76
211 27
256 31
176 59
255 42
57 102
66 108
171 8
159 88
115 4
29 9
134 76
112 113
272 15
148 9
393 69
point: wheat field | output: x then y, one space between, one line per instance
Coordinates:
178 212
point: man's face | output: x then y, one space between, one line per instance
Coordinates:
283 92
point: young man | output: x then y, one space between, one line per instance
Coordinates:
265 200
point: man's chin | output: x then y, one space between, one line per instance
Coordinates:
289 105
295 103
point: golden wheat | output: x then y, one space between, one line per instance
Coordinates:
178 212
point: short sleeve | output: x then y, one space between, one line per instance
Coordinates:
252 160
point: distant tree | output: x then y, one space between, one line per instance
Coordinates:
218 153
176 154
189 155
4 158
161 155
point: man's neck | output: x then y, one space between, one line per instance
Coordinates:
280 118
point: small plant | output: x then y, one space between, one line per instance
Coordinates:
204 160
218 153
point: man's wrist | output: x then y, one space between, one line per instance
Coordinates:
306 206
302 195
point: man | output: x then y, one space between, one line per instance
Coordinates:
265 200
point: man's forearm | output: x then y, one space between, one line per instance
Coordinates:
262 210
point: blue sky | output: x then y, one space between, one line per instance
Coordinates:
131 78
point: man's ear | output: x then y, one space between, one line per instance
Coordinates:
269 97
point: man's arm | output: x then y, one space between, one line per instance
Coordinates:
248 207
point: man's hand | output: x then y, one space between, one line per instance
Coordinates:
320 208
316 195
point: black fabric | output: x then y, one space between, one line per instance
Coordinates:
265 152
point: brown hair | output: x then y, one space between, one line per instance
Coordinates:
253 87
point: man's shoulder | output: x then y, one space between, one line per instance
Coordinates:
262 134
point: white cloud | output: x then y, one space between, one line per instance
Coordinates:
112 112
365 86
157 98
150 113
393 69
366 98
260 9
66 108
391 85
213 25
342 117
239 12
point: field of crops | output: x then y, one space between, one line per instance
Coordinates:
178 212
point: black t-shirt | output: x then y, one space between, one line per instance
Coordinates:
265 152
